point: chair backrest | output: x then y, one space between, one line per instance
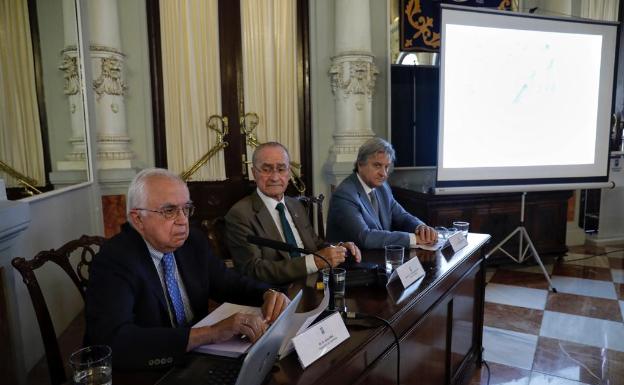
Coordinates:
215 231
309 203
85 245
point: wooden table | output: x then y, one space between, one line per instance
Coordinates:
439 323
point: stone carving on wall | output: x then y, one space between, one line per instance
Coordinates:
69 66
110 80
353 77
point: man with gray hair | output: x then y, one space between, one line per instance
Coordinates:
363 210
268 213
153 280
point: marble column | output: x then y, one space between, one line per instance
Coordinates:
107 62
352 75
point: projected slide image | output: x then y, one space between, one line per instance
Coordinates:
522 98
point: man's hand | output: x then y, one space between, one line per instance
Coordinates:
274 304
425 235
335 255
354 250
250 325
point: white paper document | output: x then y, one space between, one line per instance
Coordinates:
439 244
235 346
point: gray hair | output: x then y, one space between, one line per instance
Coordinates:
372 147
254 157
137 195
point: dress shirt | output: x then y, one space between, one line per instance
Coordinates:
157 257
271 205
368 190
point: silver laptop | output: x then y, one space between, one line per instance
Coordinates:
252 370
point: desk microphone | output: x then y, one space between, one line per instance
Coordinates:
283 246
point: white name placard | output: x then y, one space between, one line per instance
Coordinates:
319 339
410 272
458 241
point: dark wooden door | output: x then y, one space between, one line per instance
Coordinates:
213 199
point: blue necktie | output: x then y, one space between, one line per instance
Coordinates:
288 233
175 298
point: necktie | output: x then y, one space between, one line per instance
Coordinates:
288 233
374 202
175 298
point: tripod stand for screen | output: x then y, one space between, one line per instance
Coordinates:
525 246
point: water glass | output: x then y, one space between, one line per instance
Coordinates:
462 226
92 365
394 257
340 275
442 231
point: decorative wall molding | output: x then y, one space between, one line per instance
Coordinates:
69 66
110 79
353 75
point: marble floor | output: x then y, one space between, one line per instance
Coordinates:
533 336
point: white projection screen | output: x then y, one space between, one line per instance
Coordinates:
525 102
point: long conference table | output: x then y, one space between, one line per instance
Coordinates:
438 320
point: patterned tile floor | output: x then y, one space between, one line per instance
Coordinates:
533 336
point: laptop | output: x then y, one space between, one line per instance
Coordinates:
250 370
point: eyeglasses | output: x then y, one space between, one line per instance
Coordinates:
266 170
171 212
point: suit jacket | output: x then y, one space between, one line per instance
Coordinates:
351 217
249 216
126 306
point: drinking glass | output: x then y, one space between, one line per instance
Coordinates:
339 280
92 365
462 226
394 257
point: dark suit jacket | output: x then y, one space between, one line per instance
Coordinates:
249 216
126 306
351 217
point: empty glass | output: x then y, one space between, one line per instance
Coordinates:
394 257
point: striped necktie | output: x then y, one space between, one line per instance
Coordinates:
173 290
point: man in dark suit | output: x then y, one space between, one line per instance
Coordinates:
363 210
152 281
267 213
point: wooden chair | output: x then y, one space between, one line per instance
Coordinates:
309 203
85 245
215 231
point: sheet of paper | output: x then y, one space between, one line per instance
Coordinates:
235 346
303 319
439 244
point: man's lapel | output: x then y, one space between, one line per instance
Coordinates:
266 222
383 207
300 223
153 280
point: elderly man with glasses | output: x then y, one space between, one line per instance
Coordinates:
152 281
268 213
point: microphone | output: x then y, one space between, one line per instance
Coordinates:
283 246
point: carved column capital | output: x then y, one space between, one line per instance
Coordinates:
353 75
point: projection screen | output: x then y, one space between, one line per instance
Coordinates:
525 102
